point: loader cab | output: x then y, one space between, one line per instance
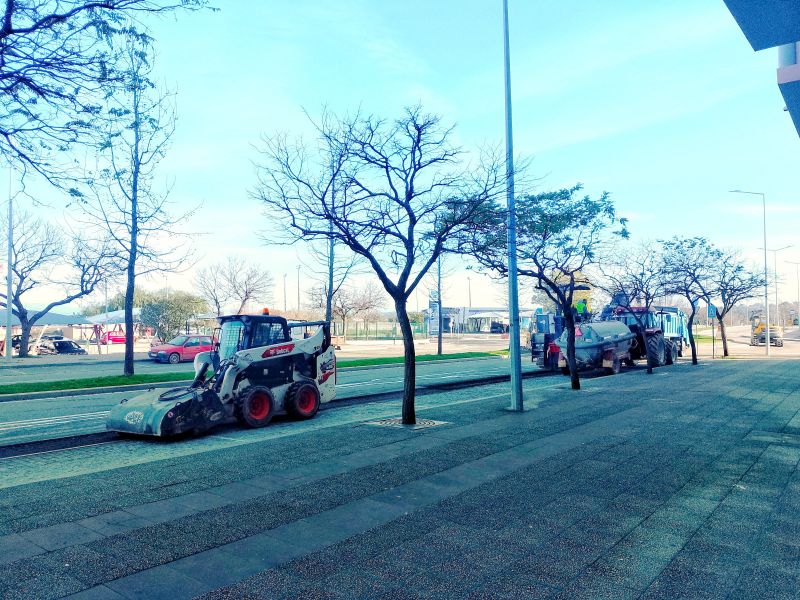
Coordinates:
241 332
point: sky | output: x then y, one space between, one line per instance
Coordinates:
664 105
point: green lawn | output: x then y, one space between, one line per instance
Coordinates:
117 380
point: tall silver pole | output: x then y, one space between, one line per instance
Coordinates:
9 344
513 300
797 279
298 289
766 275
766 271
285 308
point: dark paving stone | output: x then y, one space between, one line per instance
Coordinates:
59 536
156 584
14 547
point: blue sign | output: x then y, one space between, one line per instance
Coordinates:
712 311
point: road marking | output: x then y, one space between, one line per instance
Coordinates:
45 421
57 450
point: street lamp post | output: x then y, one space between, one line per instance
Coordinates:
513 299
797 276
766 274
285 307
298 290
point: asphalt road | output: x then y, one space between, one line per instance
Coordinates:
25 421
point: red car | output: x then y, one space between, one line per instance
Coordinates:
183 347
113 337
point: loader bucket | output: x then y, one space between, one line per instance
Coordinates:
169 413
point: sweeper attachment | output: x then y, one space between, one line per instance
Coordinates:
258 370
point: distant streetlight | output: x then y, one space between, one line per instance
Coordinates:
298 289
284 293
797 275
469 290
766 274
775 262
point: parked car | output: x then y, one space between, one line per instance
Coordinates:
60 346
183 347
113 337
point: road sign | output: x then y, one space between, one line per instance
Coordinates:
712 311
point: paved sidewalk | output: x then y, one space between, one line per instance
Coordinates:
680 484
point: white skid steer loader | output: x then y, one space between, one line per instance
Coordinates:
258 371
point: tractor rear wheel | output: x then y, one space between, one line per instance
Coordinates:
256 406
656 349
302 400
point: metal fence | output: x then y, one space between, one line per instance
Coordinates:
379 330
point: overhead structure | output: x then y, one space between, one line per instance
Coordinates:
775 24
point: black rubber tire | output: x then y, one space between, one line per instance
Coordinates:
256 406
565 371
629 362
174 358
670 352
680 348
302 400
656 349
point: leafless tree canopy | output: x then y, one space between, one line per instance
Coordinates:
351 301
42 254
127 199
56 57
234 281
393 192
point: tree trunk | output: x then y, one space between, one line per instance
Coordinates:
409 358
25 334
724 333
129 288
439 294
329 290
569 318
692 343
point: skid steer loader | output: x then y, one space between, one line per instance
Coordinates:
258 370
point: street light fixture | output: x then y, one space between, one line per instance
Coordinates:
775 262
797 275
766 274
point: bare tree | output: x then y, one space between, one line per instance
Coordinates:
350 302
247 282
39 252
234 280
559 236
56 57
210 281
139 124
403 194
634 277
732 282
689 264
329 264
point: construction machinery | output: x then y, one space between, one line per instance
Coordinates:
661 332
258 369
758 333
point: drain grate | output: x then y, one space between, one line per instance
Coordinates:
398 423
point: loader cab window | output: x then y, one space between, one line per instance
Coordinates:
230 339
268 334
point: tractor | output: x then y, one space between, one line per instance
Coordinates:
258 370
662 334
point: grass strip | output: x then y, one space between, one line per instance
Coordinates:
94 382
395 360
117 380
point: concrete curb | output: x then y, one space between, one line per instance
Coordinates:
170 384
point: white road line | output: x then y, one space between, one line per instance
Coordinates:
57 450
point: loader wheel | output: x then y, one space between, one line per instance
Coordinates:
302 400
174 358
256 406
656 349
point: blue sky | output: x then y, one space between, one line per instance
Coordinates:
663 104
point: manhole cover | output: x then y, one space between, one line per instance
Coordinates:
398 423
